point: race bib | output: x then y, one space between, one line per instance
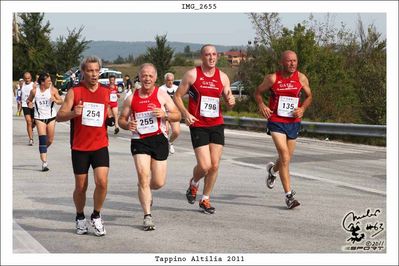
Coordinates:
113 97
146 122
287 105
93 114
209 106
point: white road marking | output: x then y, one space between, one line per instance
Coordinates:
24 242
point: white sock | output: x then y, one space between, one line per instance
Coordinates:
194 183
288 193
205 197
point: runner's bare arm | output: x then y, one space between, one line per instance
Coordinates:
56 96
65 113
188 79
227 93
173 113
298 112
266 84
31 96
123 120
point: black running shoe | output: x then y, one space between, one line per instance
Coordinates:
191 193
291 201
205 205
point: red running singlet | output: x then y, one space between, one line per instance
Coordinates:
147 124
89 131
204 99
285 97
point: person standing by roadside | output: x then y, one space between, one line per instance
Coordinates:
18 94
87 106
128 84
205 85
28 111
284 114
113 98
171 88
144 113
44 97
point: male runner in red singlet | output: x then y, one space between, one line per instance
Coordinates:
205 85
113 98
144 113
284 114
87 106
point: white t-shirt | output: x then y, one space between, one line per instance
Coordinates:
26 88
171 91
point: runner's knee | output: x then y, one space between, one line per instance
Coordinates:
157 184
101 183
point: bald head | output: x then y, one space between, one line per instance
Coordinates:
287 54
289 62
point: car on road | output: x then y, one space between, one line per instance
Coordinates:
105 73
238 89
67 80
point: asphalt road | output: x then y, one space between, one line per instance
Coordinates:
333 180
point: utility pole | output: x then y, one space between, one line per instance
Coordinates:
15 28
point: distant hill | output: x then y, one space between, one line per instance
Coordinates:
110 50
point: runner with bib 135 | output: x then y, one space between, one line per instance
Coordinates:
284 115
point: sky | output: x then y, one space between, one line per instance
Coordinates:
223 28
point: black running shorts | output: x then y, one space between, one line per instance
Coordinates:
28 111
201 136
81 160
46 121
155 146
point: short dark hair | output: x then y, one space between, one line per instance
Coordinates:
112 76
42 77
206 45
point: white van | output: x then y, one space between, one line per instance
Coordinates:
105 73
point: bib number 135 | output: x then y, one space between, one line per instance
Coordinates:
287 105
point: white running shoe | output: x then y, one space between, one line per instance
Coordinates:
81 227
45 167
291 201
171 148
31 142
97 224
270 178
148 224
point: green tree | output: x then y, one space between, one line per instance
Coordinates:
187 50
32 49
68 50
346 70
161 56
180 60
141 59
119 60
130 59
222 62
370 75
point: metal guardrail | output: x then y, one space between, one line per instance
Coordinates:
362 130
